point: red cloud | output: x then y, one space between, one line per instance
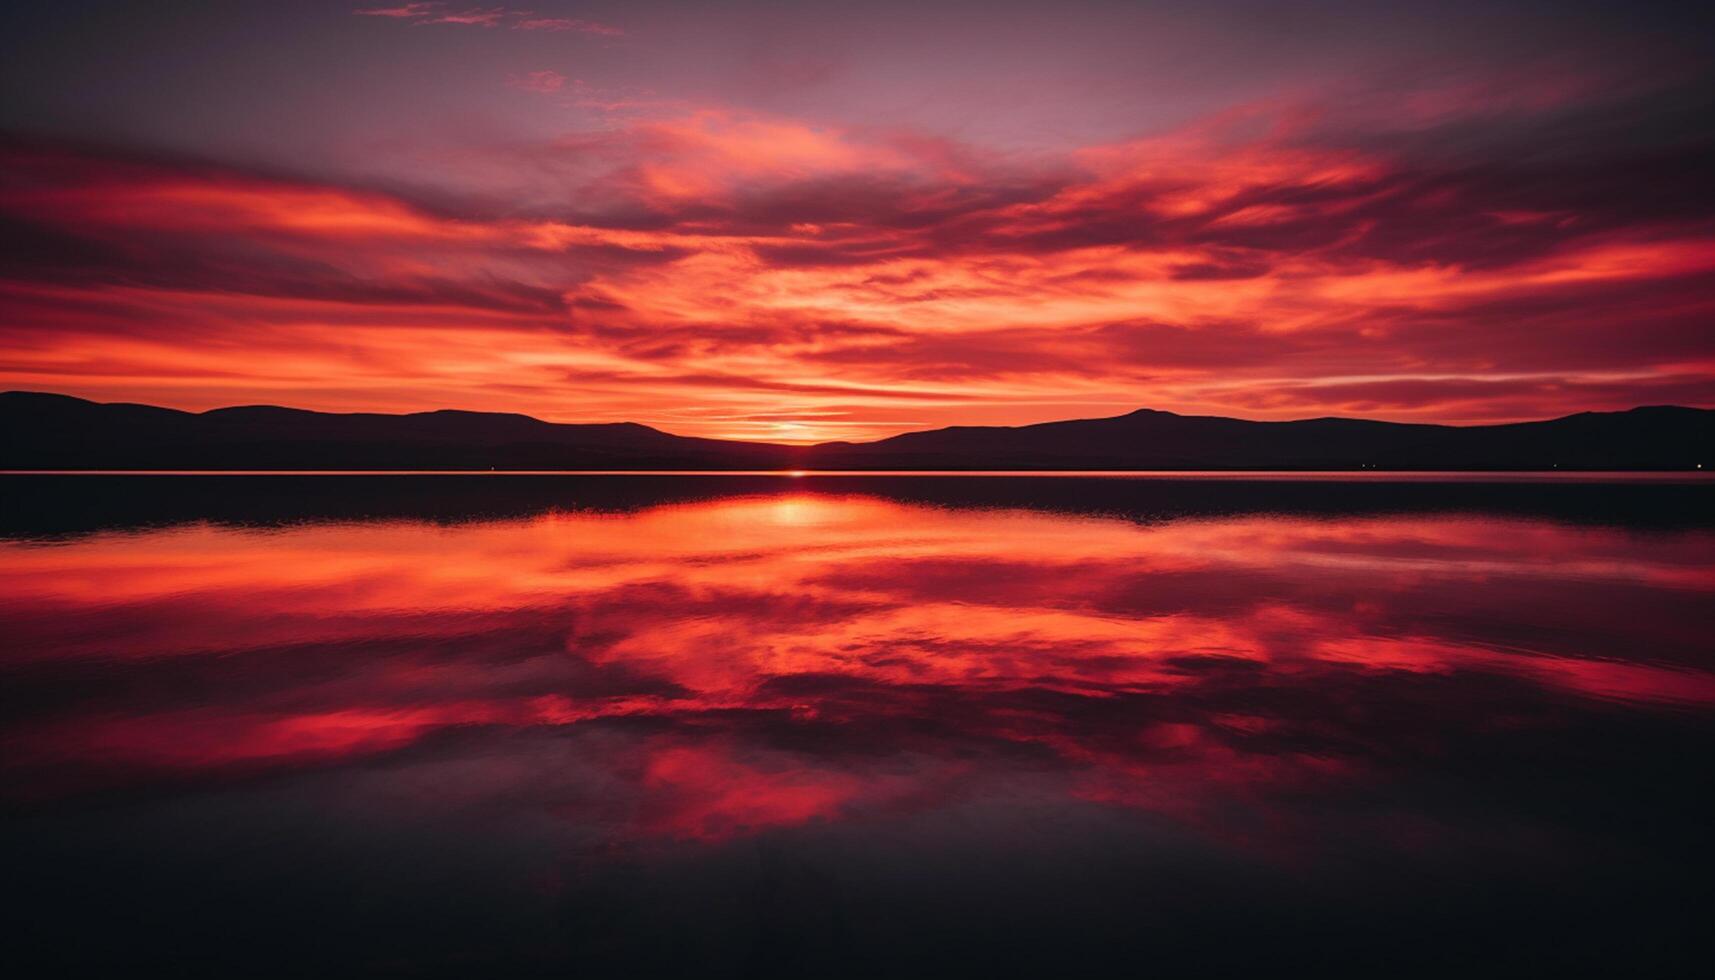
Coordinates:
775 279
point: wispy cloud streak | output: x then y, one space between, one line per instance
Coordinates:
521 20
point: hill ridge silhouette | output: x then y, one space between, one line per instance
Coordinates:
45 430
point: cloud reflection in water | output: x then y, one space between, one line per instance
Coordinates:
890 684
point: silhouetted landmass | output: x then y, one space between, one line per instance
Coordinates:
45 431
1654 438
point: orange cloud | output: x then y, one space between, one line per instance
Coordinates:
728 274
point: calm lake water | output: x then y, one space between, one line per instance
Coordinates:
864 726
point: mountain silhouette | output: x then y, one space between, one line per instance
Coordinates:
48 431
45 431
1651 438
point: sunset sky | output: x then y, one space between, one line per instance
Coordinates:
811 221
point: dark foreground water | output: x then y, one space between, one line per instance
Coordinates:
849 726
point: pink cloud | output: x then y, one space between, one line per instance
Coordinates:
475 17
538 81
557 24
409 11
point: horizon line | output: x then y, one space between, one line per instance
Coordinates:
1376 475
